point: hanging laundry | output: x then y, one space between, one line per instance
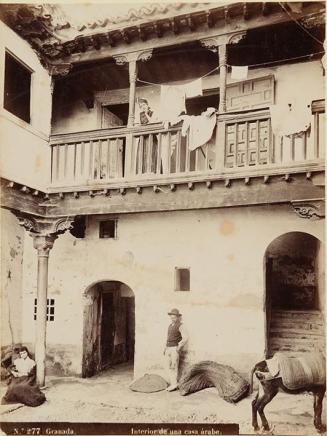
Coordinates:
292 118
239 73
200 127
168 149
172 103
193 89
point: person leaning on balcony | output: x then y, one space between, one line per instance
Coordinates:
176 339
146 113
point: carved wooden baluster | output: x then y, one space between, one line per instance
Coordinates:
158 167
108 169
132 70
222 77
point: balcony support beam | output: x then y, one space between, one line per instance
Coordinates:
132 60
219 43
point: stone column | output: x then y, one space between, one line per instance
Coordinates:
44 232
43 245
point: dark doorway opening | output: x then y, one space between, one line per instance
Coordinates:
294 268
109 327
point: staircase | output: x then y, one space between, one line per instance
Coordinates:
296 331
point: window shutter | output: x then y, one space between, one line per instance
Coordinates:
250 94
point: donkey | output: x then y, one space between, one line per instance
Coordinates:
271 386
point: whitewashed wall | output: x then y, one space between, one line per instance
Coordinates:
224 311
12 245
25 154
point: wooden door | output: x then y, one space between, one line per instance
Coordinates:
91 352
107 329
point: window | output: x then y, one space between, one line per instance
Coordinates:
50 309
318 111
114 115
108 229
182 279
17 88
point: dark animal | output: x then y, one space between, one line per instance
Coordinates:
272 385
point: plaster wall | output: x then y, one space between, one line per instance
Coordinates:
25 154
12 244
321 279
288 79
224 310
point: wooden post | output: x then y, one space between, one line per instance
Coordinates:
132 69
43 244
222 77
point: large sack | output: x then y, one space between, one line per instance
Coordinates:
230 385
302 371
149 383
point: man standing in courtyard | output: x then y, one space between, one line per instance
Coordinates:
176 339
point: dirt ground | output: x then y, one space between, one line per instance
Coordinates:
107 398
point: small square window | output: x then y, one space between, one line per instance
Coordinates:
108 229
17 88
50 309
182 279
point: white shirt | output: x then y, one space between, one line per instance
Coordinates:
24 366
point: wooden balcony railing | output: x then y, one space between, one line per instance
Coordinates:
241 143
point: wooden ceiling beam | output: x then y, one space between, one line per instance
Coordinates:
125 36
142 33
175 26
265 9
246 12
257 20
210 19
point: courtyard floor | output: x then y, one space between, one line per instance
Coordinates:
107 398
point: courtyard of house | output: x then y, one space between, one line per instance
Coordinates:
107 398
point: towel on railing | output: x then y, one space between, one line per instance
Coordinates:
291 118
199 128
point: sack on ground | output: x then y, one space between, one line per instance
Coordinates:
231 386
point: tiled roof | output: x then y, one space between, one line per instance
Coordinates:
90 16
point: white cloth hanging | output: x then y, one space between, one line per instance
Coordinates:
200 127
239 73
172 102
291 118
193 89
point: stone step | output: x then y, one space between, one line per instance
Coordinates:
302 314
292 350
300 324
298 333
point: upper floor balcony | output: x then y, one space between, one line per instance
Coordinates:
242 145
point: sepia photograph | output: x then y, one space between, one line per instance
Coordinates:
162 218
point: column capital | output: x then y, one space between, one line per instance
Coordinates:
43 243
309 209
46 227
214 42
126 58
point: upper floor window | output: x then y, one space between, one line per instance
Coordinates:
108 229
17 88
182 279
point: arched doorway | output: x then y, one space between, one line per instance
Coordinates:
109 326
295 294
